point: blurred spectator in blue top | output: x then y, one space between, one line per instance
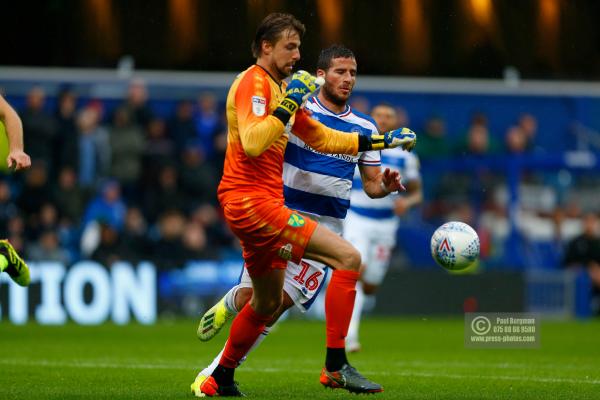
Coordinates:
209 121
182 126
94 147
107 206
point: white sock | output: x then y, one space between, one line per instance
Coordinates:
259 340
356 313
210 369
230 299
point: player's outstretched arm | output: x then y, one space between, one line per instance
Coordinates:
323 138
17 158
328 140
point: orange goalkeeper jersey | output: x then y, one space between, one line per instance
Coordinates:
256 140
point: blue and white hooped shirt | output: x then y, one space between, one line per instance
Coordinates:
318 183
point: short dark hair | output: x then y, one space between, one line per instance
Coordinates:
334 51
271 27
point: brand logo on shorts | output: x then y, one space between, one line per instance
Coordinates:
296 220
285 252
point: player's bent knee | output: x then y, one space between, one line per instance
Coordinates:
350 260
274 305
267 306
286 304
353 260
242 296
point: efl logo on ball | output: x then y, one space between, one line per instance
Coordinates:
455 246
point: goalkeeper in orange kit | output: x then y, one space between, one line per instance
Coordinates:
261 109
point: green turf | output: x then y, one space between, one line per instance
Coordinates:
413 359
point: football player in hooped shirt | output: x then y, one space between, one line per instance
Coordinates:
372 224
261 114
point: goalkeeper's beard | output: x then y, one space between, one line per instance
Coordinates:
283 73
332 97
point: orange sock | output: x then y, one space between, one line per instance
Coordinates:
245 329
339 303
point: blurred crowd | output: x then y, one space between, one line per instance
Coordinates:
466 177
124 183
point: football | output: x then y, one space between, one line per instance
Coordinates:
455 246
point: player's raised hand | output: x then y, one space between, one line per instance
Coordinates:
302 85
401 137
390 180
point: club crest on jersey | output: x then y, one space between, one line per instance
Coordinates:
296 221
259 105
285 251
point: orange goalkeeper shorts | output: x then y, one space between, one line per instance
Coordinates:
270 233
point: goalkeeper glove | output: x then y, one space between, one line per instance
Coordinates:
402 137
300 87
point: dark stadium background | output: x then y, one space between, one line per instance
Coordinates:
455 38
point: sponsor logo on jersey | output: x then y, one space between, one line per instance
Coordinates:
296 221
259 105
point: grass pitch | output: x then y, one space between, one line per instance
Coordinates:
411 358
